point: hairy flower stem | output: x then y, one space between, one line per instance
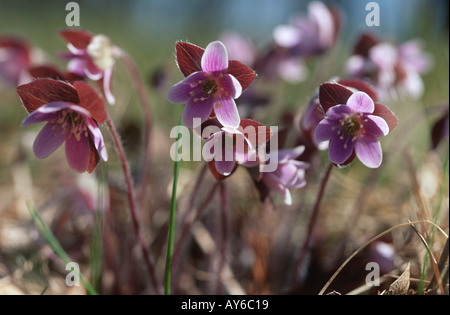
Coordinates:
224 237
148 123
312 223
132 202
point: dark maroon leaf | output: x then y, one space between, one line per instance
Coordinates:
45 71
43 91
364 43
331 94
189 60
387 115
437 131
91 100
94 157
189 57
78 38
245 75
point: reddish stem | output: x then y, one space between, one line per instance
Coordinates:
312 223
132 203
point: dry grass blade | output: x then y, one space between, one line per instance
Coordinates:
401 285
322 291
432 259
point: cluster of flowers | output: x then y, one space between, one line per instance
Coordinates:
343 116
211 84
72 108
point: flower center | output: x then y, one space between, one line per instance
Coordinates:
350 124
210 87
70 123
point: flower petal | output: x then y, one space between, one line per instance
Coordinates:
272 182
339 111
360 102
376 126
107 77
200 109
368 150
326 130
231 85
47 141
226 112
180 92
215 58
44 113
97 138
340 149
225 167
77 153
290 154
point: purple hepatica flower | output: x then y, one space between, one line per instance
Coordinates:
389 67
290 173
234 148
72 114
15 58
208 89
353 128
91 56
311 35
68 123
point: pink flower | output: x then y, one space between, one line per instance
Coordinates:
91 56
352 127
322 100
72 114
208 89
226 147
290 173
15 58
389 67
311 35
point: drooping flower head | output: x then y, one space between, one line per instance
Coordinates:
72 114
91 56
353 128
390 68
15 58
226 147
290 173
212 83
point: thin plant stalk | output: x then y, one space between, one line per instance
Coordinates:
148 122
373 239
57 248
132 203
312 223
173 207
224 237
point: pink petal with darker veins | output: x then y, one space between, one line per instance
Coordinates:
360 102
376 126
368 150
215 58
226 112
